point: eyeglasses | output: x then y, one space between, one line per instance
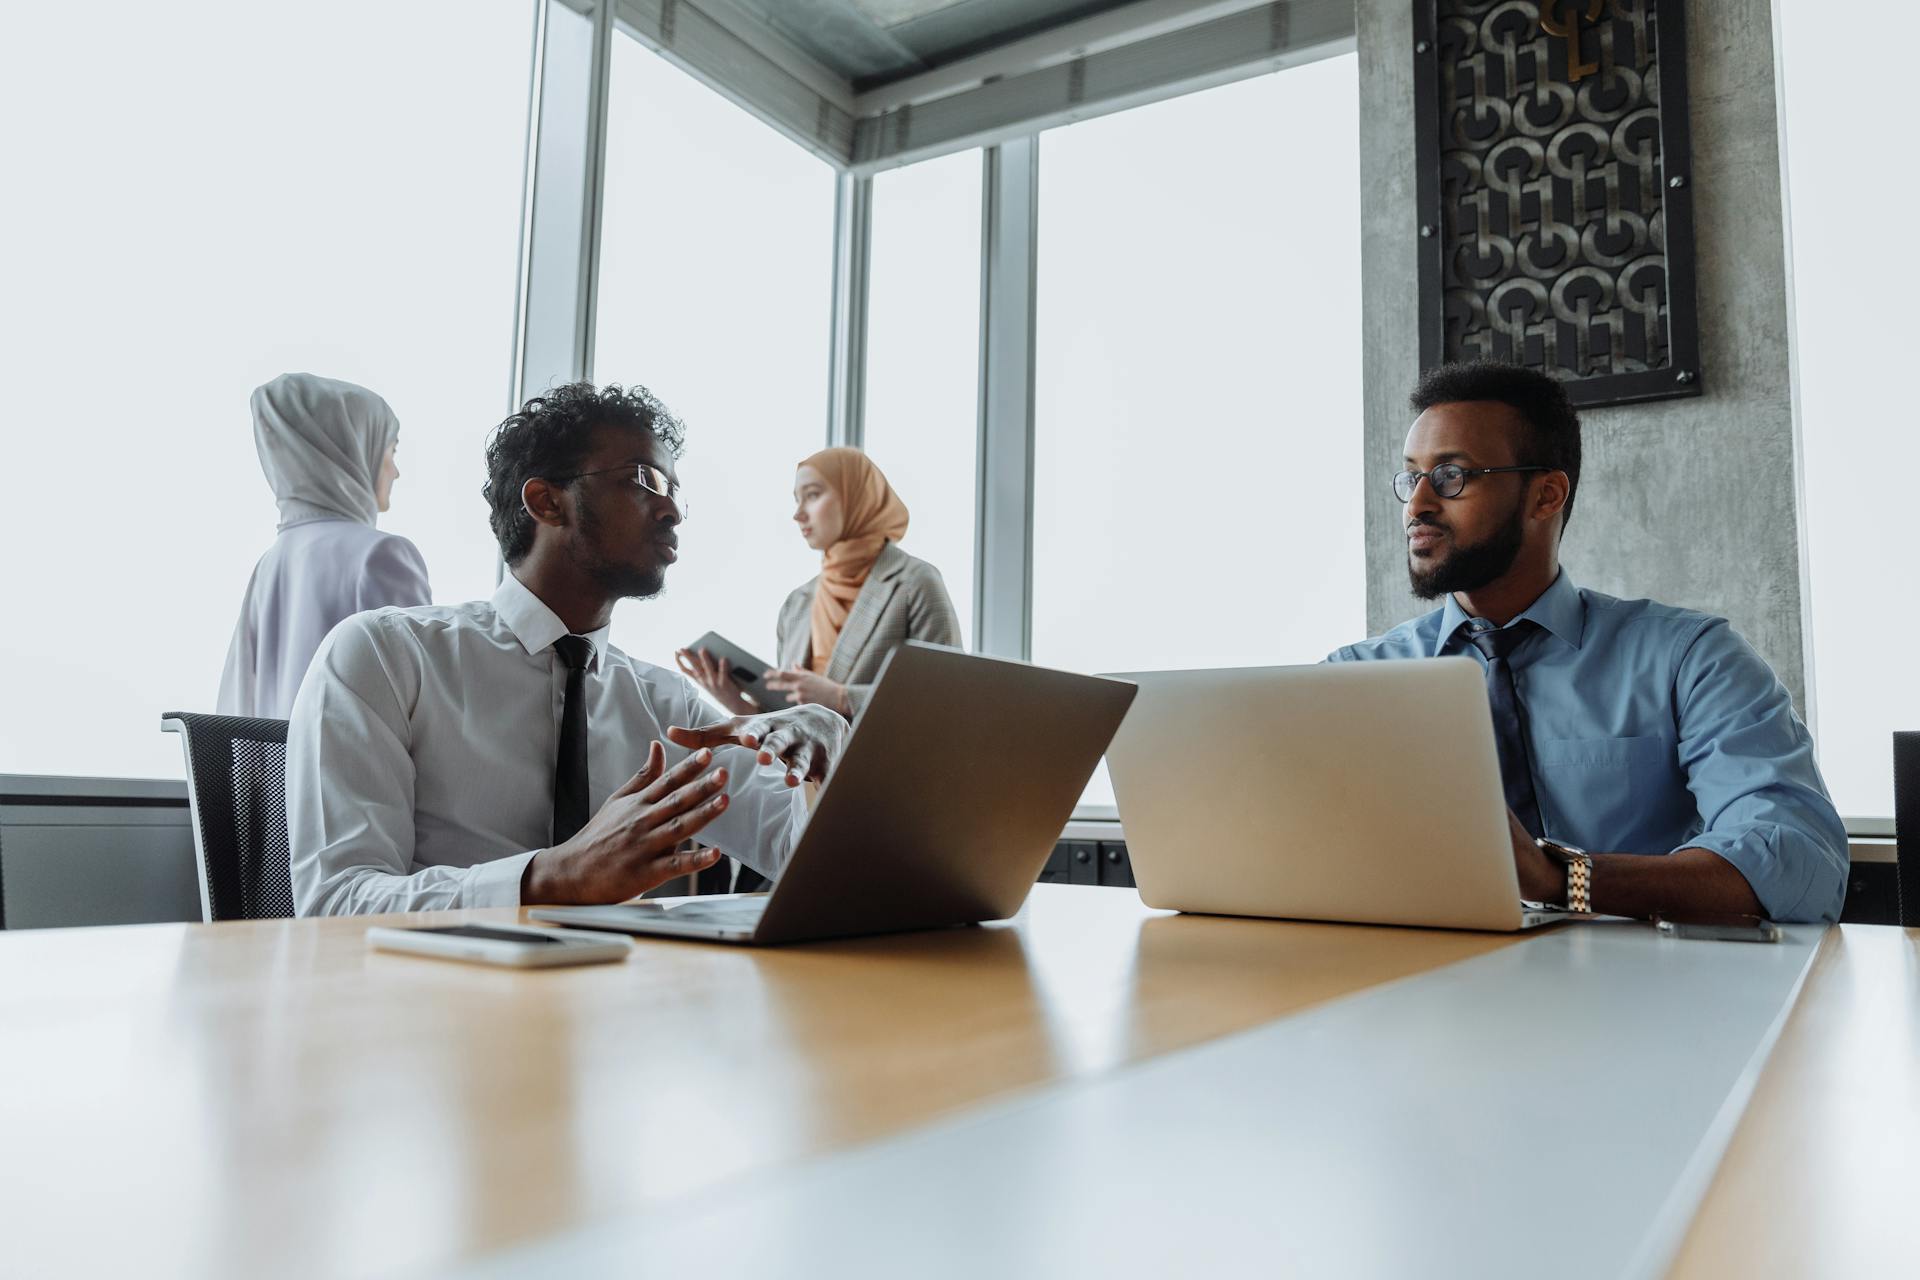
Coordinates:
1449 479
644 474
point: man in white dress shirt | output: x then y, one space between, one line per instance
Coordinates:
501 751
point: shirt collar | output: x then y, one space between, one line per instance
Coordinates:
536 626
1559 611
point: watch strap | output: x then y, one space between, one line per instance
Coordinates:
1580 882
1579 865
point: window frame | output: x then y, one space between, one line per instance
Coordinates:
999 102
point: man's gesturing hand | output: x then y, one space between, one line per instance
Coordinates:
628 847
805 740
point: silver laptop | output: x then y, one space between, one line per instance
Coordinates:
960 774
1366 792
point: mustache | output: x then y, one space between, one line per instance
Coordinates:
1427 522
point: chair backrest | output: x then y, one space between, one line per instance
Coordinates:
237 788
1906 825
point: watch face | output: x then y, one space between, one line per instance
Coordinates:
1562 853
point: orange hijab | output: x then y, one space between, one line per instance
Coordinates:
874 517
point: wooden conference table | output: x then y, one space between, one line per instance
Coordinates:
271 1098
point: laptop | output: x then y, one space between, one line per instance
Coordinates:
1363 792
951 793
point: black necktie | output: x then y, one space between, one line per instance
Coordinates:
570 769
1510 719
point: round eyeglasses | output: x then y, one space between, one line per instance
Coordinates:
1449 479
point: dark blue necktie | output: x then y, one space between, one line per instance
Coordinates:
570 768
1510 719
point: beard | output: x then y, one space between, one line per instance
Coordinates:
1471 567
615 577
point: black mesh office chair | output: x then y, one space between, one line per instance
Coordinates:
237 787
1906 826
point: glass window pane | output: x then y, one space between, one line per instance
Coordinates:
923 357
213 196
1198 446
716 274
1852 327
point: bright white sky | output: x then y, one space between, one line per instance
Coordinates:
1198 445
1853 327
200 197
1199 442
716 280
923 357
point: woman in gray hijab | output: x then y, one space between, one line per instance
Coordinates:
327 448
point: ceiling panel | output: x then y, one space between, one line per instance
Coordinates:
875 42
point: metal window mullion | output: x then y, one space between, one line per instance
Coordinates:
555 311
852 253
593 214
556 294
517 364
1003 531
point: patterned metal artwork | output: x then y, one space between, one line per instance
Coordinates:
1556 217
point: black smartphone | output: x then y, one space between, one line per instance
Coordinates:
747 670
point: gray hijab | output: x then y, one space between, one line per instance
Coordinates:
321 442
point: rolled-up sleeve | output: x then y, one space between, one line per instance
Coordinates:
350 789
1750 766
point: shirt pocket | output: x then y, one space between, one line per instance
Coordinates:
1605 792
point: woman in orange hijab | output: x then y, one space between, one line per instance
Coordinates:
836 631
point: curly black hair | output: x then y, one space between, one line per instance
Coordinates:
551 436
1552 438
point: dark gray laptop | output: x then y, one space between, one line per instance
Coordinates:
956 783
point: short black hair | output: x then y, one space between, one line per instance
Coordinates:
1552 437
551 436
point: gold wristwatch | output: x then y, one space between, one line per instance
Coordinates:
1579 865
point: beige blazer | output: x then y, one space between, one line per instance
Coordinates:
903 599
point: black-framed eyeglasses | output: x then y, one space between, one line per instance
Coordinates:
644 474
1449 479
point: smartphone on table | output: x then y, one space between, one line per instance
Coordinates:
516 946
1719 928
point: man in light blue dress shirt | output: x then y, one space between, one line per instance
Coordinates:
1638 727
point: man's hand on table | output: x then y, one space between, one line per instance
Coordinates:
1686 882
1541 878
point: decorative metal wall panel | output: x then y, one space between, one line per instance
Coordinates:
1556 214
